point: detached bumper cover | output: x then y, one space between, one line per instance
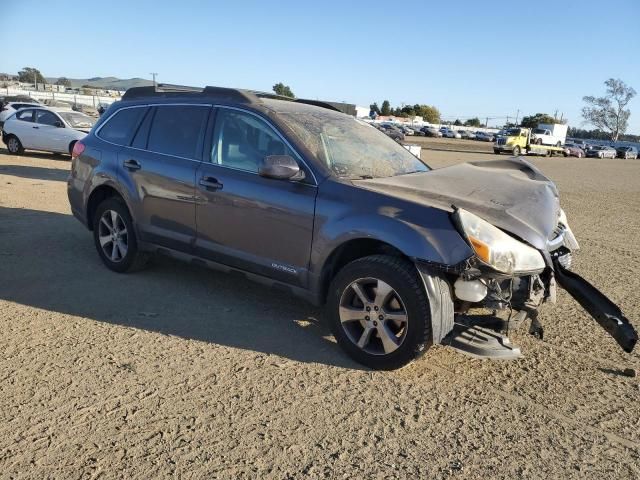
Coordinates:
603 310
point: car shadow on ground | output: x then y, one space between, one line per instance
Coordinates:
36 173
43 155
48 261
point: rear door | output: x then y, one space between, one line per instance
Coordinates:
257 224
159 167
22 126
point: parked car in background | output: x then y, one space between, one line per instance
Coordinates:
469 135
431 132
485 137
583 145
601 151
45 129
452 134
406 130
86 109
572 150
627 152
17 98
10 108
394 133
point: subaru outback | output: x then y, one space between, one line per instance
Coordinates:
294 194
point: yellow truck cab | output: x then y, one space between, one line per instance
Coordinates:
518 141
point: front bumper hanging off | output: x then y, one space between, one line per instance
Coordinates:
603 310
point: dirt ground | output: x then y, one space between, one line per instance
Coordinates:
177 371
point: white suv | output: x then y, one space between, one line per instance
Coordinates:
46 129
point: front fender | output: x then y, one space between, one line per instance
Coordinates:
439 242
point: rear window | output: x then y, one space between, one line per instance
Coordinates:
25 115
120 128
178 130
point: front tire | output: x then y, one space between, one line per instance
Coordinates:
14 145
115 237
380 313
516 151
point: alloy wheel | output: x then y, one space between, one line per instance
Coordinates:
373 316
13 145
113 236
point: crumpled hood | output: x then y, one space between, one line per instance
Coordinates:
510 194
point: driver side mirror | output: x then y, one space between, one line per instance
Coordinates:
59 124
280 167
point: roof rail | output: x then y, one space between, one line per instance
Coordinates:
166 90
317 103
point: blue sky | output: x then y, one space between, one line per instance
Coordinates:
467 58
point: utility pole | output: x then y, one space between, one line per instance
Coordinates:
154 74
517 116
555 114
486 124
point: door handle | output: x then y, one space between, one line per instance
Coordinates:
131 165
35 127
210 183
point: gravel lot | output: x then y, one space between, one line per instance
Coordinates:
182 372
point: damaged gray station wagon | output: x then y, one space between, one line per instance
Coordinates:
295 194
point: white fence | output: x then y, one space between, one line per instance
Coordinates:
93 100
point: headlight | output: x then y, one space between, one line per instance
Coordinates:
497 249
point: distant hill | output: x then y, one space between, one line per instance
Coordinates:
110 83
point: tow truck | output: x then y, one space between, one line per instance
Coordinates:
519 141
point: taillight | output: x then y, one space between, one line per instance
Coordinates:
78 148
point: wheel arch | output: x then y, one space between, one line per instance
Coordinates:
349 251
97 196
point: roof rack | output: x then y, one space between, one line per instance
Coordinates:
167 90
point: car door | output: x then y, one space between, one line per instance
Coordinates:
246 221
22 127
159 168
50 131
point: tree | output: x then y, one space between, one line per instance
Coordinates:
532 121
472 122
374 110
428 113
64 81
457 123
31 75
283 90
386 108
608 113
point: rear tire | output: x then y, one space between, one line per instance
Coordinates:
538 141
383 331
115 237
14 145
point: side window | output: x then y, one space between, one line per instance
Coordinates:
242 140
178 130
46 118
121 127
25 115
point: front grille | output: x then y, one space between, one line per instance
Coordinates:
501 141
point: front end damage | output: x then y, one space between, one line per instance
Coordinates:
493 298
